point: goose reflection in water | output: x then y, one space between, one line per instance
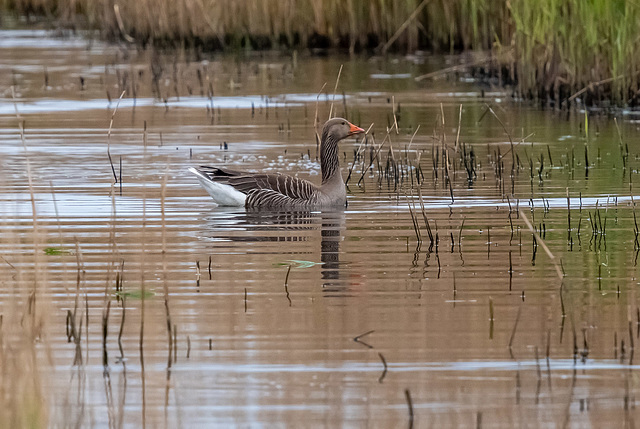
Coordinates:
227 228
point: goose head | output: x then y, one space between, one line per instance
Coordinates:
339 128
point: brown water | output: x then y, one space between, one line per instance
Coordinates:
264 307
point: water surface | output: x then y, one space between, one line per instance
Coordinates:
324 318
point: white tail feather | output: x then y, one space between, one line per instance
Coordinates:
222 194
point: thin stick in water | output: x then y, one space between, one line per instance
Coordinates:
407 395
113 114
384 372
105 332
540 241
124 312
286 285
515 326
358 339
316 122
335 89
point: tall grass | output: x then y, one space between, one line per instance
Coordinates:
353 23
556 47
22 400
566 45
24 312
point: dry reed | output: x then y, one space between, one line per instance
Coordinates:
559 52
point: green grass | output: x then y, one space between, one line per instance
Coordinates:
566 45
51 251
136 294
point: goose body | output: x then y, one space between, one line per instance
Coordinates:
261 190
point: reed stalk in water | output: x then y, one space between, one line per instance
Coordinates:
407 395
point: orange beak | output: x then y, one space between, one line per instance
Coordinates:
354 129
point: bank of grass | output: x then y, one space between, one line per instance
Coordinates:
354 24
567 46
556 48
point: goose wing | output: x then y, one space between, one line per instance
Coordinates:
261 185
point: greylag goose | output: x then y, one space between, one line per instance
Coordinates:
261 190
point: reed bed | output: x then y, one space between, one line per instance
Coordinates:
572 49
356 24
24 314
554 51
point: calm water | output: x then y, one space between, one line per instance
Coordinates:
264 307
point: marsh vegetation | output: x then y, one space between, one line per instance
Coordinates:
557 52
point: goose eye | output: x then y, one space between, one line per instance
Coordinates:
344 123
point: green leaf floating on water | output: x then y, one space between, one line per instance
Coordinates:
56 251
135 294
298 263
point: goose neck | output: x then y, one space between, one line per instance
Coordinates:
329 158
